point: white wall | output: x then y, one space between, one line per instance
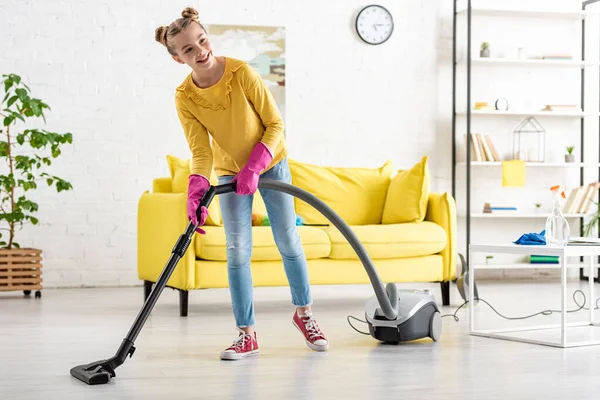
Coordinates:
111 85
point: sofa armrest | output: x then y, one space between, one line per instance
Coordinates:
162 185
441 209
162 218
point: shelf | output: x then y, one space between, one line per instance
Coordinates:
529 266
531 164
532 113
531 62
519 215
490 12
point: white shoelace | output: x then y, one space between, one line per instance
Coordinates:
240 342
311 326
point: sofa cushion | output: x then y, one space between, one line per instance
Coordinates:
180 170
389 241
407 195
212 246
357 195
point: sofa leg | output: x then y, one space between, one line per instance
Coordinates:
445 293
147 289
183 303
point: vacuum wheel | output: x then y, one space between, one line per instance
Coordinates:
435 326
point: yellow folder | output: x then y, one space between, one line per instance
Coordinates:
513 173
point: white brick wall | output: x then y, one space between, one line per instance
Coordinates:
111 85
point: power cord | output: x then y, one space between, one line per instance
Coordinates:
544 312
352 326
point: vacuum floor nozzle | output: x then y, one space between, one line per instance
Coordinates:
95 373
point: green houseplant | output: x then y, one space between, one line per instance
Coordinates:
592 221
570 157
484 51
26 152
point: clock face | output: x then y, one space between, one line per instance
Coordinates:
374 24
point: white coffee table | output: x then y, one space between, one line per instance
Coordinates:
563 252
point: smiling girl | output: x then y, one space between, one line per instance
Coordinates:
225 100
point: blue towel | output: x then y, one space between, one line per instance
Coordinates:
532 238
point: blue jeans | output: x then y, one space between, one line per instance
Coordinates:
236 213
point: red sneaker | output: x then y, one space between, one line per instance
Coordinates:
315 339
244 346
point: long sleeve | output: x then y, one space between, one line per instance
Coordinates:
198 140
262 99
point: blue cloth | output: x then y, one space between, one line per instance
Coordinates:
532 238
236 212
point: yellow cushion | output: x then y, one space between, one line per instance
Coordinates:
212 246
162 185
324 271
357 195
180 172
407 195
389 241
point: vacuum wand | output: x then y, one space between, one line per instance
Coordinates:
100 372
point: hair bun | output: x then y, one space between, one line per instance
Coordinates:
189 12
160 34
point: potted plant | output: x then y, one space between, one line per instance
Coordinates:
26 153
488 258
570 157
538 207
592 220
485 50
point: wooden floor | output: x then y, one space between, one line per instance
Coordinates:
177 358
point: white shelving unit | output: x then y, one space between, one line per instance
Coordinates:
464 111
525 113
499 12
531 164
517 214
550 63
526 265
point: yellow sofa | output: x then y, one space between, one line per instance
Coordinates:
409 232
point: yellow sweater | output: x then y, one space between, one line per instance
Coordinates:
236 113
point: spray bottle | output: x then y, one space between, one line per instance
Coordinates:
557 227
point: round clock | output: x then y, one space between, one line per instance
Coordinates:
501 104
374 24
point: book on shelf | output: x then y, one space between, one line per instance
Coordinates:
557 56
540 259
583 241
562 108
482 148
489 209
580 199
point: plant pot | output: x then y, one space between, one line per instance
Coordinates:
569 158
484 53
21 269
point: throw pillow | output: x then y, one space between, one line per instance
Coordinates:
408 195
180 170
357 195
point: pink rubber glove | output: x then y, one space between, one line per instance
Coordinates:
197 186
247 178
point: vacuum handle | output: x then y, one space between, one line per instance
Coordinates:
210 194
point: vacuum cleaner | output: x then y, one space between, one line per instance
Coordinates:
393 315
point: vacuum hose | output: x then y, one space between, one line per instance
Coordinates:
387 298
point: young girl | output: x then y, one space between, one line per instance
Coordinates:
225 100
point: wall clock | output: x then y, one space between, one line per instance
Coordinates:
374 24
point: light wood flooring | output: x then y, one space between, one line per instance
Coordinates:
177 358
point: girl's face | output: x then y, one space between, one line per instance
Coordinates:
193 48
